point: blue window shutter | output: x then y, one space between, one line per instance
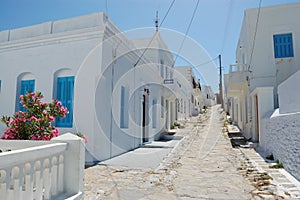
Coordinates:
26 86
70 100
154 113
122 110
162 107
65 94
283 45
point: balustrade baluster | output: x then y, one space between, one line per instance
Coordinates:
38 181
54 174
3 184
60 173
17 177
29 170
47 179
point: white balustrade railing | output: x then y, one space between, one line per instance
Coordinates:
43 172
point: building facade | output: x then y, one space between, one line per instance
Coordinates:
266 56
116 96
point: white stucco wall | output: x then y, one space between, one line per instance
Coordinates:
281 137
289 96
42 62
265 104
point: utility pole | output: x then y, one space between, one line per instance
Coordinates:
220 84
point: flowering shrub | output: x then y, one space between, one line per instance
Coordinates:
36 122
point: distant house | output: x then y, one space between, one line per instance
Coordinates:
208 96
117 97
190 102
266 56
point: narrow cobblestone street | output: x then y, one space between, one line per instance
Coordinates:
209 165
202 166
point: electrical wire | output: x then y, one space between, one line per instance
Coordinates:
204 63
167 13
226 26
255 32
143 53
186 32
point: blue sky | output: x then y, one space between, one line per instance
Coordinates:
216 25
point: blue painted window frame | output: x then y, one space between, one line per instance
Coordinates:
154 113
123 109
283 45
26 86
162 107
65 94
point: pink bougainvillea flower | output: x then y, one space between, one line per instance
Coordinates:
36 122
51 118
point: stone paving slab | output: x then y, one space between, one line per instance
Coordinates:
287 187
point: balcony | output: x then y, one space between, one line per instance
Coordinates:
238 73
238 78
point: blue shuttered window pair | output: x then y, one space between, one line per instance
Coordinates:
283 45
65 94
26 86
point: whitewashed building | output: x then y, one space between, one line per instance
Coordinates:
266 56
262 86
116 96
208 96
190 102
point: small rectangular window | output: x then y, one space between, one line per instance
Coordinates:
65 94
154 113
162 107
124 112
181 106
162 68
283 45
0 85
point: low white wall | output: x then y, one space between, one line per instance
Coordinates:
281 137
30 31
42 169
44 29
289 97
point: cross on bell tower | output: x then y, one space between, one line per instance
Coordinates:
156 21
